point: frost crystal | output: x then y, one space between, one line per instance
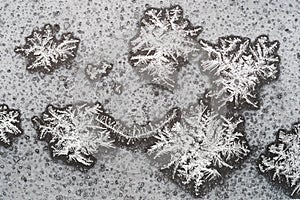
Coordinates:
9 124
163 44
239 67
45 52
281 162
96 72
73 132
200 146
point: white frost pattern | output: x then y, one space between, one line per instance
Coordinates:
282 159
45 52
9 124
73 132
163 44
200 145
239 67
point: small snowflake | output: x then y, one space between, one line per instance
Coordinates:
200 145
45 52
118 88
96 72
281 161
10 124
73 132
163 44
239 67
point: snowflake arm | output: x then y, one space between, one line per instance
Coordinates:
135 135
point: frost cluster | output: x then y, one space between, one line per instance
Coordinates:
73 132
9 124
45 52
281 160
96 72
76 132
163 44
239 68
199 146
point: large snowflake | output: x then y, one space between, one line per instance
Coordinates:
45 52
200 146
239 67
163 44
9 124
281 161
73 132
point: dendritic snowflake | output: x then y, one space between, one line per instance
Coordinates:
96 72
10 124
281 161
45 52
163 44
73 132
199 146
239 67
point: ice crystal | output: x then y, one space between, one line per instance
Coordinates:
281 161
45 52
200 145
9 124
239 67
163 44
96 72
73 132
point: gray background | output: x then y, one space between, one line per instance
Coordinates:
105 28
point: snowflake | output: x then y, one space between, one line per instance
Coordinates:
73 132
199 146
10 124
45 52
240 67
96 72
163 44
282 160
